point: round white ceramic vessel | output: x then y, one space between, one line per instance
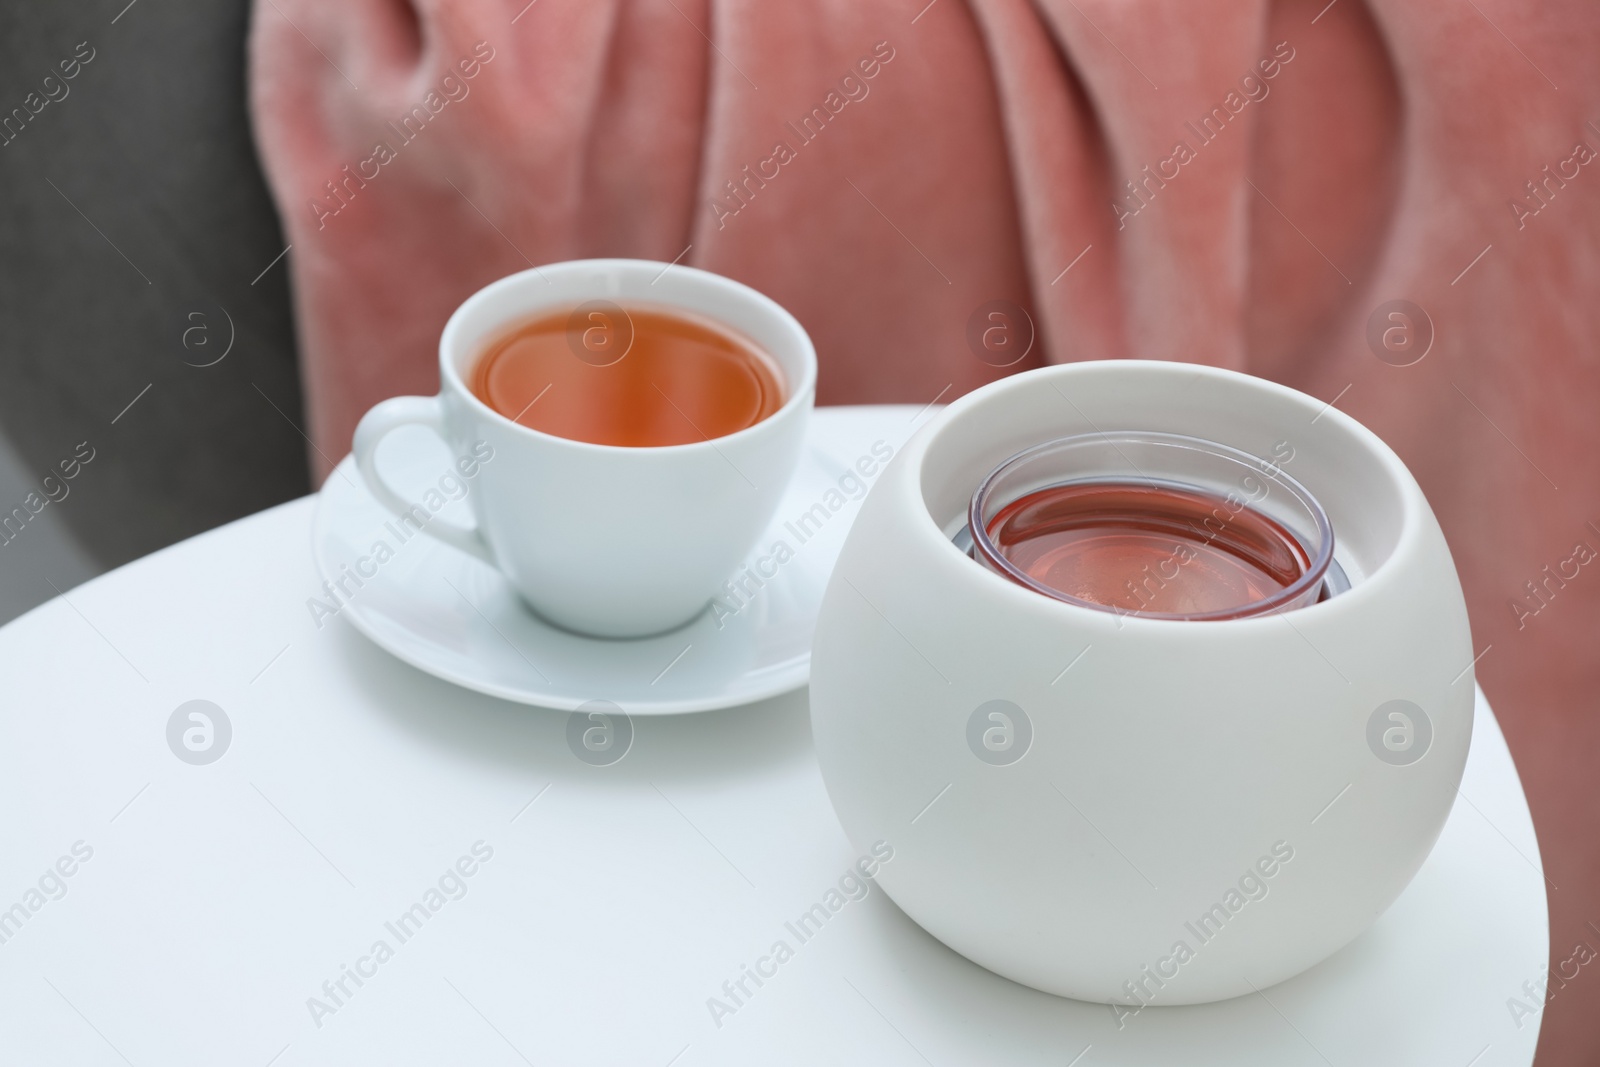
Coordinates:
1163 812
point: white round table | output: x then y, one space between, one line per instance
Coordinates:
532 908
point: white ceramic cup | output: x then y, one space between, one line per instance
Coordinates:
603 539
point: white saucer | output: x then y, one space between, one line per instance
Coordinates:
444 612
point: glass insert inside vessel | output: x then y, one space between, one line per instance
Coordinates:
1148 547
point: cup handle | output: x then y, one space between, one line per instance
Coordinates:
373 428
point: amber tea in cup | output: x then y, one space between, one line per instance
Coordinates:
638 377
1157 525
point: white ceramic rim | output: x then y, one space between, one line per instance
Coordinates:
1413 505
800 392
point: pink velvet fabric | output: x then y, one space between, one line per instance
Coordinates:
969 151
